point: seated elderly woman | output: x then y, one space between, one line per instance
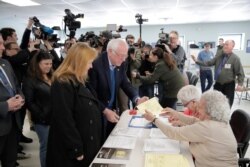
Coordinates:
212 142
189 95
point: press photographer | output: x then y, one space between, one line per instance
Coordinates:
41 31
176 50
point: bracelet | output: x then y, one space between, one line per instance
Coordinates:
154 120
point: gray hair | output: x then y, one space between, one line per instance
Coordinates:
188 93
115 43
217 105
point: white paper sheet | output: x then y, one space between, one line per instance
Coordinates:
130 132
157 133
162 145
120 142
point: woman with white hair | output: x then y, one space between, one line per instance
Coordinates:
212 142
189 95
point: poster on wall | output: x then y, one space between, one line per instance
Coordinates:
248 46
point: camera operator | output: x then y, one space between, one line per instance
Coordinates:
146 69
105 37
176 50
67 44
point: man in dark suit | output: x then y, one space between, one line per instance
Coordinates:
10 102
107 76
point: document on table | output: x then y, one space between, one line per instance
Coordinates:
120 142
130 132
165 160
139 122
157 133
162 145
151 105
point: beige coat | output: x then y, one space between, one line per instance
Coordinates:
212 143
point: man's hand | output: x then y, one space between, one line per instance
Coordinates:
15 103
30 23
141 100
80 158
167 48
239 88
111 115
194 58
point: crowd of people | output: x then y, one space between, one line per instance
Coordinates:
75 101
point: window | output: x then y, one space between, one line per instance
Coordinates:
237 37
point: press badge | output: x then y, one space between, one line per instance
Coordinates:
227 66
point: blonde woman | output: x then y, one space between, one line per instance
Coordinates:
75 133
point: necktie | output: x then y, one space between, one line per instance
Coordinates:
6 83
221 65
112 98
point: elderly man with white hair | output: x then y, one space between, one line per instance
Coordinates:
212 142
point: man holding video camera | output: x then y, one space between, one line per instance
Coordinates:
176 50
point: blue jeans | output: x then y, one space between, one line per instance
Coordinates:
206 75
42 133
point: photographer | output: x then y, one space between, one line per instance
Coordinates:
67 44
176 50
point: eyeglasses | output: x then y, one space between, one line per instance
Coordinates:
186 104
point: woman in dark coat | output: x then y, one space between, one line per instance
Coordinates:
36 88
75 132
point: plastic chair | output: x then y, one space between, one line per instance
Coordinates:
240 124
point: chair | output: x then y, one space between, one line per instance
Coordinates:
244 162
240 124
194 80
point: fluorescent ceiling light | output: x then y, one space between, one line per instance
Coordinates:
21 2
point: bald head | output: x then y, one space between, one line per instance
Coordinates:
228 46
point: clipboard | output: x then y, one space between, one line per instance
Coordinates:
140 122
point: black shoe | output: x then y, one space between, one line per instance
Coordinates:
25 139
17 164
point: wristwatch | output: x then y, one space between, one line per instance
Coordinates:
154 120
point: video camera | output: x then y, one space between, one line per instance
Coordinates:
121 29
70 22
91 38
41 31
139 19
163 39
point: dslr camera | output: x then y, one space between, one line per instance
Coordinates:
41 31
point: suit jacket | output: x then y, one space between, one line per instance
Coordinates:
100 79
75 127
5 115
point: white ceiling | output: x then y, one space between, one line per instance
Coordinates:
99 13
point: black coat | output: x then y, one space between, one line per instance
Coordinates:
37 98
75 127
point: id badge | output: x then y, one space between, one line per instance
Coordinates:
227 66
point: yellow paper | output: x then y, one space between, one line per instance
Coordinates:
165 160
151 105
120 154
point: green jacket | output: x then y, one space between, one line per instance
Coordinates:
232 68
171 80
